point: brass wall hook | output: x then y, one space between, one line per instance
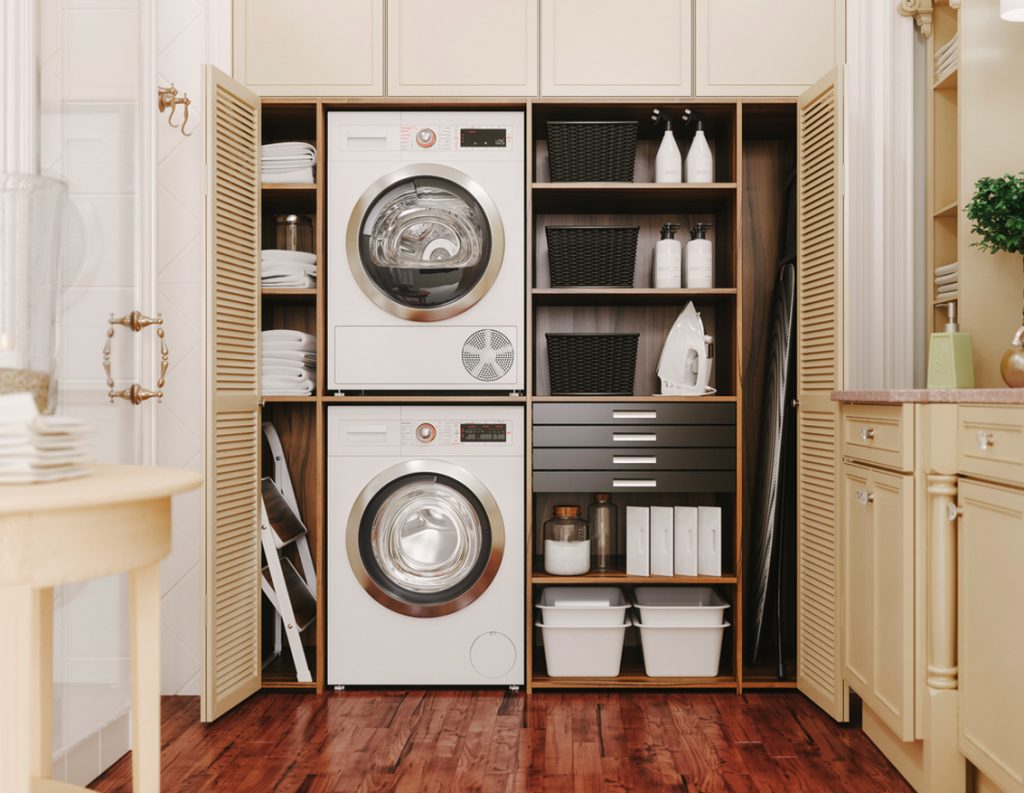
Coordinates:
167 97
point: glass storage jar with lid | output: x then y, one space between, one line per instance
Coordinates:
566 542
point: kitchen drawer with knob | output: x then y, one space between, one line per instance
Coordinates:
633 436
879 435
702 481
990 442
618 413
635 459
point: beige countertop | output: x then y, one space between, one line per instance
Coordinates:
967 396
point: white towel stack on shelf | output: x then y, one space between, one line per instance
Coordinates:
947 279
36 448
947 58
288 269
288 363
288 162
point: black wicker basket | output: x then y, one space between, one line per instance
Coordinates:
592 255
592 151
592 364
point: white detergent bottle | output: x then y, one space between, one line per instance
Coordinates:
700 166
668 259
700 259
668 163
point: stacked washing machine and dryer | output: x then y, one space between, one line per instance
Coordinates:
426 295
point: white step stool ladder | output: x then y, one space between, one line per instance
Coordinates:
292 595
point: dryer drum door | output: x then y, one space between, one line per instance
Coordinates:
425 538
425 242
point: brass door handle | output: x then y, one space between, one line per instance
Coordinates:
135 393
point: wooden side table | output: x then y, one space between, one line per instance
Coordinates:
116 520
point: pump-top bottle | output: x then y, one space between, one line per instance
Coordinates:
700 259
668 162
700 166
668 259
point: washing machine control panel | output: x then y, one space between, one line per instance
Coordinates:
448 138
456 433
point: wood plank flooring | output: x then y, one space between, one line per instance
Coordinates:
435 741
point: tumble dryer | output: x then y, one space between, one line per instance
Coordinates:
425 545
426 263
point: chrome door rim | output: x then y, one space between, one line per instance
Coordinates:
491 510
370 289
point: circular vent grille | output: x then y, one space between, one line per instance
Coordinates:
488 355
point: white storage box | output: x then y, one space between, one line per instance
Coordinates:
583 606
679 606
681 651
583 651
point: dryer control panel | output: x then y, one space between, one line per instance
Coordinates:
456 433
452 138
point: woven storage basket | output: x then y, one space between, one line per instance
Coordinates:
595 364
592 255
591 151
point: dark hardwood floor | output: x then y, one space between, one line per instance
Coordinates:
472 740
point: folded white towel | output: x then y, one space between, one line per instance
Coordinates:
287 372
275 359
283 338
287 147
293 176
286 385
275 254
946 269
281 267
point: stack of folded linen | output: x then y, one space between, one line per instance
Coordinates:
288 162
36 448
288 361
288 269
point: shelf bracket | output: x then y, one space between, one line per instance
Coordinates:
921 11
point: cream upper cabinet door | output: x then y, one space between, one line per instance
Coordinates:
752 48
310 47
462 48
990 592
612 48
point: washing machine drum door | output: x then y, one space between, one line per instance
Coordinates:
426 543
425 242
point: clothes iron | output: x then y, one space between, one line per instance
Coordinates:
687 357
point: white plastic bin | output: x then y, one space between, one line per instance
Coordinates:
583 606
681 651
583 651
680 606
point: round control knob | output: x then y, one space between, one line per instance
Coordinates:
426 138
425 433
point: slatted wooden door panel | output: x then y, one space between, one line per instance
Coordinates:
819 372
232 541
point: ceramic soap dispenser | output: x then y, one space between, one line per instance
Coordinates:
950 361
668 259
668 162
700 259
700 165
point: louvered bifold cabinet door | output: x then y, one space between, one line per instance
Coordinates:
232 537
819 372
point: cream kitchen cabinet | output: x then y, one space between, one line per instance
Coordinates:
310 47
612 48
744 48
878 567
462 48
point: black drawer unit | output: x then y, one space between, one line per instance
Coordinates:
672 447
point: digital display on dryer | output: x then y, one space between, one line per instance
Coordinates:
470 138
483 433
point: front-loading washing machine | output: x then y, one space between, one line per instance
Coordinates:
425 545
425 251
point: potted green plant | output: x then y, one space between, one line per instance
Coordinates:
997 215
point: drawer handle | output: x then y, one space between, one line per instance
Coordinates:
986 440
867 433
633 437
864 497
619 460
634 483
627 415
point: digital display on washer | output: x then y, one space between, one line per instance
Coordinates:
470 138
483 433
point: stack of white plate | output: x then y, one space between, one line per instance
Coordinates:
681 630
36 448
584 628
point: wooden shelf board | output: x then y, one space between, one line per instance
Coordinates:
632 197
951 80
651 398
280 672
717 188
406 399
948 211
589 295
631 675
952 297
620 577
286 186
284 399
281 292
764 676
